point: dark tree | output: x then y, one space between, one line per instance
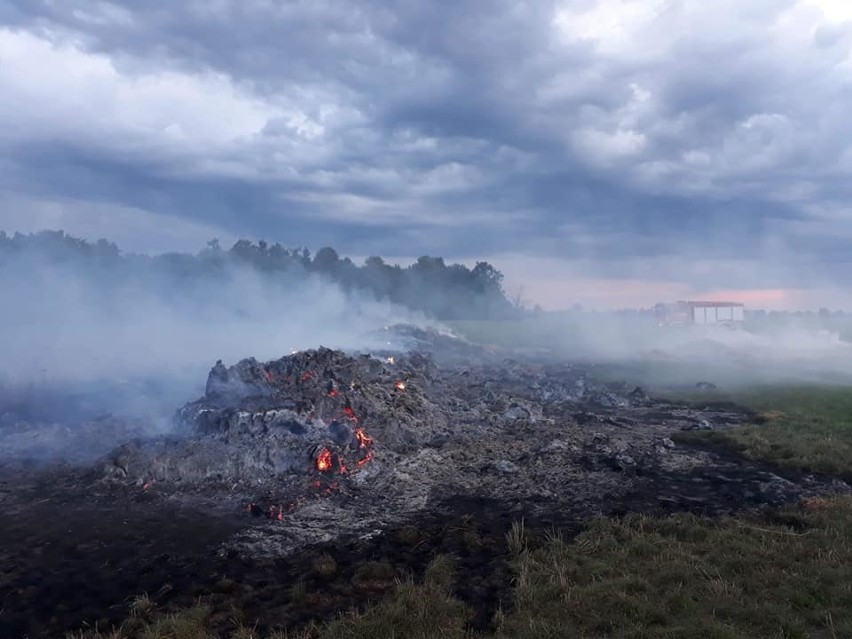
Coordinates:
429 285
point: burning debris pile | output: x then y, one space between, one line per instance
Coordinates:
312 412
335 445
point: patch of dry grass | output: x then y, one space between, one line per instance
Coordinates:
686 576
807 427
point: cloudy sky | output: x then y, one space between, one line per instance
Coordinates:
607 152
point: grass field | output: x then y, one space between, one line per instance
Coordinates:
785 576
808 427
690 577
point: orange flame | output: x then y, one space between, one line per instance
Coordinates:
324 461
350 413
400 386
365 442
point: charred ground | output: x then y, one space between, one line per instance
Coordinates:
300 487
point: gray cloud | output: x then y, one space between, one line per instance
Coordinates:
619 133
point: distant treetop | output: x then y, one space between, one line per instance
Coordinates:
429 285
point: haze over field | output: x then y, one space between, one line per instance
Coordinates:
764 350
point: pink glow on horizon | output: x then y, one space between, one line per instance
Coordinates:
612 294
558 285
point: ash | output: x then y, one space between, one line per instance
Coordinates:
324 446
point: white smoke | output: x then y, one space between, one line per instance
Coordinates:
142 345
784 349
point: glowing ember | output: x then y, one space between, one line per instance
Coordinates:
391 360
365 442
400 386
331 488
147 485
334 468
275 512
324 461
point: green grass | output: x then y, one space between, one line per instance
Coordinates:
418 611
685 576
807 427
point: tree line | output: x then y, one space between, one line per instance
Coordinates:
441 290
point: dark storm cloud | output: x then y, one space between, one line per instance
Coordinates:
578 130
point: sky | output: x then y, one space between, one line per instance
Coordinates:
612 153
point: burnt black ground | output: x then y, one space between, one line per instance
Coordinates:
68 564
70 559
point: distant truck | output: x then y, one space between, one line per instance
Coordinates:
699 313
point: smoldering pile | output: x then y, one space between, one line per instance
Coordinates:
329 445
258 421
